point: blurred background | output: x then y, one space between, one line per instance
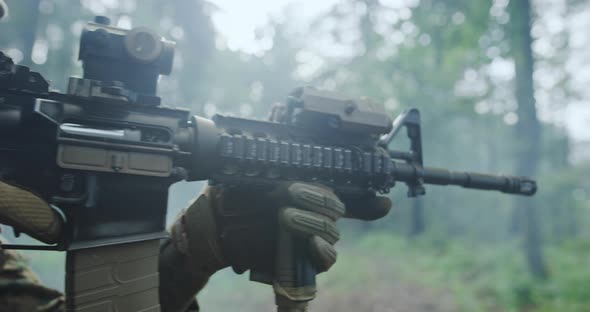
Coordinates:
503 88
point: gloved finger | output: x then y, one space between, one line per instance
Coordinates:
29 214
369 207
311 197
323 254
307 224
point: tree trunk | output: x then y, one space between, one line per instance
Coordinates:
29 34
517 221
527 132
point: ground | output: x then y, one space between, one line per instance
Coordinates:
394 296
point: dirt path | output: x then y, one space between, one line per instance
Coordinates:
368 280
393 296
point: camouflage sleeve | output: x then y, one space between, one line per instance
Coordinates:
20 288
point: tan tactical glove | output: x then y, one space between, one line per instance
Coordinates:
28 213
238 227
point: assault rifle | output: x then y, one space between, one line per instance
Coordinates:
105 153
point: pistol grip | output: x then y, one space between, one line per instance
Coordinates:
294 279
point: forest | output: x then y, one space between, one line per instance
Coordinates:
502 88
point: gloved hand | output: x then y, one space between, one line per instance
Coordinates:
238 227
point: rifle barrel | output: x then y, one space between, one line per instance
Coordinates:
430 175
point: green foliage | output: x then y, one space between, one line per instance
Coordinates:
481 277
